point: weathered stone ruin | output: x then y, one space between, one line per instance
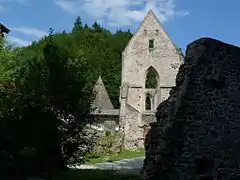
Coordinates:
149 53
197 133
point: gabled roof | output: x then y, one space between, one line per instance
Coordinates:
102 100
4 28
151 14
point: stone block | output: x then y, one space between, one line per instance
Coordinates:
200 121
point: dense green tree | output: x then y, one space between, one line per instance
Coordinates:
97 27
45 109
77 24
7 63
86 26
52 80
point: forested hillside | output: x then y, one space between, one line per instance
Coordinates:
98 51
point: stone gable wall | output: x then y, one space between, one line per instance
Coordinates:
137 58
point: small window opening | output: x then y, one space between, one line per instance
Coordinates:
151 44
148 102
145 32
157 31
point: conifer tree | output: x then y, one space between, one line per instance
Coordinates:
97 27
86 26
77 24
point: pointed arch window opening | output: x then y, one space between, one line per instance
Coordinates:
151 79
151 82
148 102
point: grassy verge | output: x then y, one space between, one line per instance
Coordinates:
125 154
95 175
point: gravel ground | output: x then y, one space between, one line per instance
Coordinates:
127 164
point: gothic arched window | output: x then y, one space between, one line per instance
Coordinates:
148 102
151 81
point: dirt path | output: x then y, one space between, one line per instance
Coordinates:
130 164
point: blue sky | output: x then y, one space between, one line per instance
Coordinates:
184 20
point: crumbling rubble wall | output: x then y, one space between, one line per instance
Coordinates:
198 127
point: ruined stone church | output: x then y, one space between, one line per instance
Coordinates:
150 51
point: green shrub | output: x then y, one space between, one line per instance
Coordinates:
108 144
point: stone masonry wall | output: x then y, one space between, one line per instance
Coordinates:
137 59
197 132
132 132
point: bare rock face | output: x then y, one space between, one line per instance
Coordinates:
197 133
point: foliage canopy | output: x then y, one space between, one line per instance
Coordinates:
45 94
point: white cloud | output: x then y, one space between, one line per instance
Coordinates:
30 31
68 6
18 41
121 12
